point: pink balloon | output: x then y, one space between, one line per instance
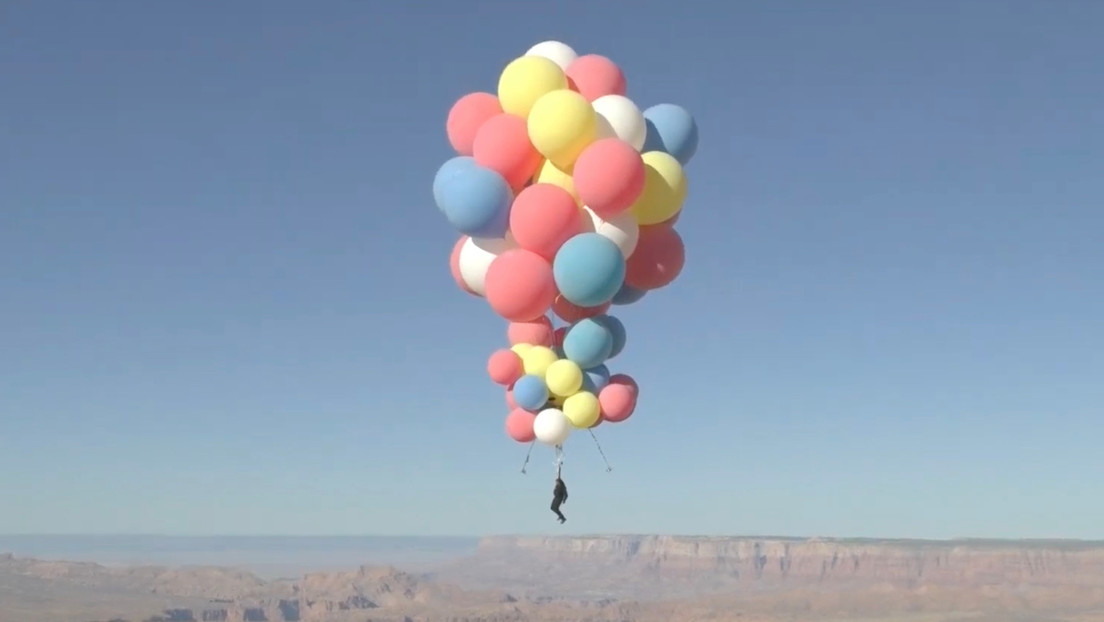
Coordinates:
609 176
571 312
626 380
594 76
510 398
657 260
467 115
617 402
454 265
502 145
543 217
537 332
558 337
504 367
519 425
519 285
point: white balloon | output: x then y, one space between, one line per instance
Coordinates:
619 117
555 51
551 426
476 256
622 230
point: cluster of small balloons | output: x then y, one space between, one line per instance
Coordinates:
565 195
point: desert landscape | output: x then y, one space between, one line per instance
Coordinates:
619 578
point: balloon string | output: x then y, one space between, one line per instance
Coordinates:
559 460
608 467
527 454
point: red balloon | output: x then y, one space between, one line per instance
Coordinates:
502 145
537 332
519 425
626 380
617 402
558 337
594 76
657 260
454 265
504 367
571 312
519 285
467 115
608 177
543 217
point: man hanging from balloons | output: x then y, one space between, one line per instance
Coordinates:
566 197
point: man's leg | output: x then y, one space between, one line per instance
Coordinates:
556 508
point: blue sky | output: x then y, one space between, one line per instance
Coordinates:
226 303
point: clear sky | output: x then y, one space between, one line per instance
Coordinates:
226 304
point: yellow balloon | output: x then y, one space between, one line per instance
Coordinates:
537 360
582 409
521 348
527 79
549 174
564 378
664 189
561 124
558 401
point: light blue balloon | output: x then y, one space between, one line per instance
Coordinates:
671 130
474 199
530 392
588 269
628 295
596 378
588 343
617 329
448 170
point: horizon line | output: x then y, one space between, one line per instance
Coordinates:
387 536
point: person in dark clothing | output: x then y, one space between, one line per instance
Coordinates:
559 497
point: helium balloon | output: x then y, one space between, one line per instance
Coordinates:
563 378
537 360
561 124
519 425
582 409
628 294
521 348
555 51
626 380
588 343
588 270
503 146
556 401
664 189
551 427
558 337
609 176
476 201
571 312
549 174
617 402
543 217
618 117
537 332
530 392
596 378
622 230
454 265
527 79
520 285
671 130
658 259
598 422
617 330
450 169
467 115
475 258
595 76
504 367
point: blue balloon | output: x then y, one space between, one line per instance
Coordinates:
588 343
596 378
671 130
588 269
530 392
617 329
628 295
474 199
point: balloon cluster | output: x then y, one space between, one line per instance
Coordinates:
566 195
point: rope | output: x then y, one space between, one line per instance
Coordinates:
527 454
559 460
608 467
